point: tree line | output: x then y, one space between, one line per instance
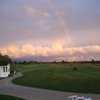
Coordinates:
55 62
5 59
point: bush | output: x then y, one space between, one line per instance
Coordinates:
75 68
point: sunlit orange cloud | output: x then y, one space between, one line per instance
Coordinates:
56 50
11 50
28 49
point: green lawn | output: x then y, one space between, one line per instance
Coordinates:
61 77
6 97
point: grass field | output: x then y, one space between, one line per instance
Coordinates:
61 77
6 97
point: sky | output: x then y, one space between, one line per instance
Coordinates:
50 30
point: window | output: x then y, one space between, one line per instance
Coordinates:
3 69
6 69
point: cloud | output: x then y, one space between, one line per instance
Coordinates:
47 29
32 12
11 50
55 52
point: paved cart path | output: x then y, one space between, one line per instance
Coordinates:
28 93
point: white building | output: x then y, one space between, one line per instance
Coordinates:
4 70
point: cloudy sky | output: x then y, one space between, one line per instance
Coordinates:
49 30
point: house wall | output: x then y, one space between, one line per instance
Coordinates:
0 71
4 74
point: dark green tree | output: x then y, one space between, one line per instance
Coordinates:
4 59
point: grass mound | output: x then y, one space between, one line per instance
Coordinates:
62 78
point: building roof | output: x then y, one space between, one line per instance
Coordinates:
3 64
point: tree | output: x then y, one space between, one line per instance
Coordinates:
4 59
92 61
62 61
